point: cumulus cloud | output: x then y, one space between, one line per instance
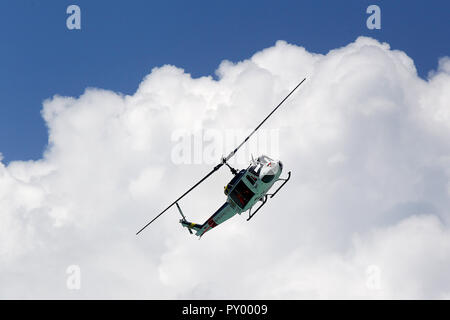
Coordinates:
365 214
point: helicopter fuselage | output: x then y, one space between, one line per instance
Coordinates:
251 184
247 187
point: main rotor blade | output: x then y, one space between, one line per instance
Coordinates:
192 188
259 125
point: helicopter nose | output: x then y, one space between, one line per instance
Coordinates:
276 167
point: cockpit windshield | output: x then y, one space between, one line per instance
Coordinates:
264 159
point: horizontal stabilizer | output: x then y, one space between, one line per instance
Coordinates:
190 225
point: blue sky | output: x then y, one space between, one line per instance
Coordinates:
120 42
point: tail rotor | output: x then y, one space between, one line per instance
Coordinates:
184 218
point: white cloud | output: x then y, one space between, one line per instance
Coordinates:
367 141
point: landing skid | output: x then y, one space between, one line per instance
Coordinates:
250 214
281 186
264 199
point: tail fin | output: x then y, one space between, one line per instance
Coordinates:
186 223
190 225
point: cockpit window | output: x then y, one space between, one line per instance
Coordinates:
251 179
255 170
241 194
267 178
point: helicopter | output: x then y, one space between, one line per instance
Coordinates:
247 187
